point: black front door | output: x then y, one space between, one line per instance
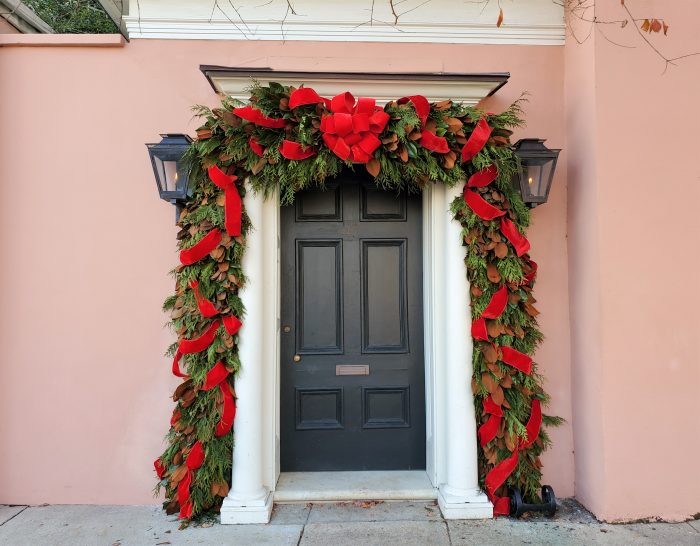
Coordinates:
352 389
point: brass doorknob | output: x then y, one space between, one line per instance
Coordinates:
297 358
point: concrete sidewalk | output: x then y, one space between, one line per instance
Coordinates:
335 524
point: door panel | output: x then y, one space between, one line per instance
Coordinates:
352 388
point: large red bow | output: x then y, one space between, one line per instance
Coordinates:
351 131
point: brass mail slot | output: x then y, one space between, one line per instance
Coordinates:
352 369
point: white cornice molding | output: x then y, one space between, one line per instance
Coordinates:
343 32
467 89
527 22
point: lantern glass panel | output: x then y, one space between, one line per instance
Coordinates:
536 177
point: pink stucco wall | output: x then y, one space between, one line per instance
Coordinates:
86 246
634 186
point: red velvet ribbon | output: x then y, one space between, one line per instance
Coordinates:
206 308
421 105
197 345
215 376
498 475
430 141
517 239
533 424
232 324
306 95
256 147
479 329
533 271
194 460
489 429
228 413
252 114
491 407
295 151
497 304
496 478
483 178
160 469
195 253
481 208
351 131
518 360
477 140
233 207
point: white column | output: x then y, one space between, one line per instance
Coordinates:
248 500
459 497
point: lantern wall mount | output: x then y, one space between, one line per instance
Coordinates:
537 170
172 176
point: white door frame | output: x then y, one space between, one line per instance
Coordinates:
451 451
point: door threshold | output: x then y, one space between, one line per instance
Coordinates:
356 485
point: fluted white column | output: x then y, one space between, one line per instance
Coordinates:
248 500
459 497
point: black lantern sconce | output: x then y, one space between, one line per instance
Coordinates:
535 178
171 173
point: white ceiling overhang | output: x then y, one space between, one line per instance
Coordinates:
466 88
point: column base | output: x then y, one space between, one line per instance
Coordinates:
467 504
237 511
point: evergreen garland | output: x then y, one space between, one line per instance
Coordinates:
399 163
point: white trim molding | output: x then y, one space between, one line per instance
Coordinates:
527 22
465 88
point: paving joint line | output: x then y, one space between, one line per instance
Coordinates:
22 510
303 527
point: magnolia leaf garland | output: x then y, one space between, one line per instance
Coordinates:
291 139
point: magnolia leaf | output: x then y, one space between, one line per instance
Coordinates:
259 165
373 167
490 353
510 441
204 133
501 250
492 273
500 18
178 475
403 154
497 396
476 291
221 199
443 105
488 382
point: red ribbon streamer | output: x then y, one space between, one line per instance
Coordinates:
160 469
497 304
233 207
252 114
430 141
306 95
516 359
206 308
489 429
517 239
477 140
533 424
197 345
196 456
351 131
210 241
481 208
295 151
228 413
232 324
479 329
183 495
215 376
483 178
533 271
495 478
421 105
491 407
256 147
